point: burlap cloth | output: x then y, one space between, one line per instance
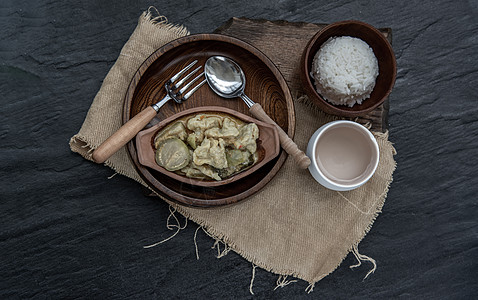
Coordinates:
293 226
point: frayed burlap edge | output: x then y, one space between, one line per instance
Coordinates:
219 236
382 139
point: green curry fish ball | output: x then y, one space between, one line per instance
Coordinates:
237 157
172 154
177 130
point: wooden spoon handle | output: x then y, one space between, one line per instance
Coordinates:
286 142
123 135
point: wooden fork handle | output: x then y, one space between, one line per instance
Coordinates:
123 135
286 142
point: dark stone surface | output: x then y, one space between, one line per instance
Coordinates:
69 232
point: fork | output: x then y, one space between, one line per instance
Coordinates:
175 91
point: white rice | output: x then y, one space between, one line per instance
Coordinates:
345 70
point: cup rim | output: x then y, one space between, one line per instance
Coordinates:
326 127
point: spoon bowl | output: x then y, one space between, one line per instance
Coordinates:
225 77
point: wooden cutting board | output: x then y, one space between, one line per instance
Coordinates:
283 42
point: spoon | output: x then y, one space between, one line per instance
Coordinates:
226 78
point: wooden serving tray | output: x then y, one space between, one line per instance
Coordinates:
283 42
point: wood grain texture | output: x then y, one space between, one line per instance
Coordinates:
265 85
283 42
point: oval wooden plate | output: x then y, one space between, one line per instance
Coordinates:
268 145
265 85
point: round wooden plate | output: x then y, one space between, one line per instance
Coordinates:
264 85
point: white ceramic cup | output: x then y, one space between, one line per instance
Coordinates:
344 155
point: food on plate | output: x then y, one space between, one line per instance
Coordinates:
345 69
176 130
207 146
172 154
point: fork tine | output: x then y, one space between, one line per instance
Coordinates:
190 83
175 77
194 89
180 82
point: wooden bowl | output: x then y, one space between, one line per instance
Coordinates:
268 145
386 64
265 85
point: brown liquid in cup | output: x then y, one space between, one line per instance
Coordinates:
345 155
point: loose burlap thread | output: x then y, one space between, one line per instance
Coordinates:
293 226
